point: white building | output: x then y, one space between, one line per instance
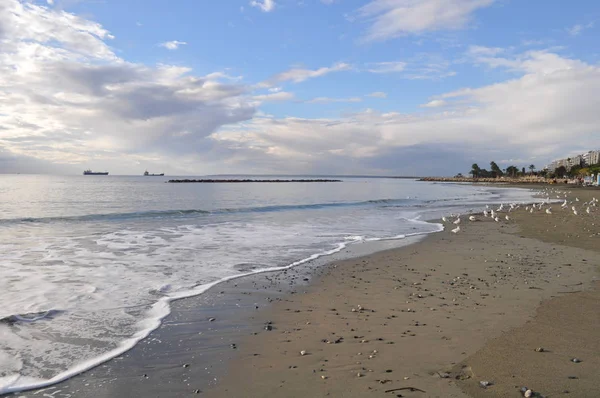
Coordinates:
592 157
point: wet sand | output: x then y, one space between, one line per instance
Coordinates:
410 321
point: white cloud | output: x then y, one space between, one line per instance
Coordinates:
275 97
328 2
420 67
172 45
324 100
434 104
298 75
485 51
576 30
30 23
264 5
537 61
68 99
394 18
387 67
377 94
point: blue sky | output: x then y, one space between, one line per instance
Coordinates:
296 86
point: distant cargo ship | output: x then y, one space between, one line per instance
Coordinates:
153 175
89 172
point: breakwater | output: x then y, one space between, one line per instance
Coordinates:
210 181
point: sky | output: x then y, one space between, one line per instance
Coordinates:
369 87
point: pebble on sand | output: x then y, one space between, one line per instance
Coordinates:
302 352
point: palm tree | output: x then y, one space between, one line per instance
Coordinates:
475 170
531 168
496 171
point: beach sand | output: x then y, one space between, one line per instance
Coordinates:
474 304
454 305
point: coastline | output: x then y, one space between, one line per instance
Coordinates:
159 362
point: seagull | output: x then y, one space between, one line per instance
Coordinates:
444 219
472 218
573 208
576 199
531 211
575 212
497 219
455 230
587 210
548 211
507 218
457 221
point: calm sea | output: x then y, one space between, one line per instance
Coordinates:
89 264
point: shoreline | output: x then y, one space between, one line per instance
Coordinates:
266 285
214 319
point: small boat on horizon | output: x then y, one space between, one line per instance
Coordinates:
89 172
153 175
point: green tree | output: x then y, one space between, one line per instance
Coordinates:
531 168
512 171
560 172
475 170
496 171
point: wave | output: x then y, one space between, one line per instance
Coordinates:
199 212
162 308
30 317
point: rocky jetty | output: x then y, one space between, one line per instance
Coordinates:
210 181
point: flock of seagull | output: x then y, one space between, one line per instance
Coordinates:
543 205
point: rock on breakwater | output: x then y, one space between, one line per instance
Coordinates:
211 181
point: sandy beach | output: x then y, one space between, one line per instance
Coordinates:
439 317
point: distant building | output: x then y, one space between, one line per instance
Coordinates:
592 157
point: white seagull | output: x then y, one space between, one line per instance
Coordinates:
455 230
472 218
457 221
548 211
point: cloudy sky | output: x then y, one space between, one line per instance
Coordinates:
296 86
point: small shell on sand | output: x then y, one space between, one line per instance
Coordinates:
302 352
323 377
528 394
576 360
540 349
485 383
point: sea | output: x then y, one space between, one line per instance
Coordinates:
90 264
